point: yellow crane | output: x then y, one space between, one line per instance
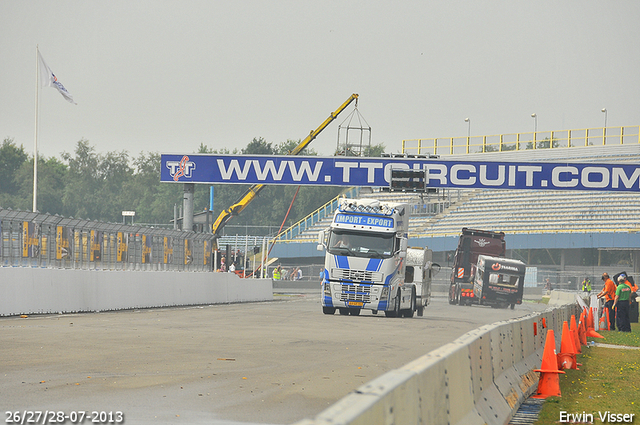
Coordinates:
253 191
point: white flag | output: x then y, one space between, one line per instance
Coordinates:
48 79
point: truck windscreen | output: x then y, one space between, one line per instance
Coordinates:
369 245
504 279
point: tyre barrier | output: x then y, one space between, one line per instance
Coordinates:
480 378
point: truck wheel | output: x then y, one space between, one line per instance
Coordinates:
344 311
354 311
328 310
409 312
396 310
398 301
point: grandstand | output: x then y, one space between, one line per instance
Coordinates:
510 211
532 219
579 225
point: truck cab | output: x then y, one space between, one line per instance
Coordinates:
499 282
366 248
472 243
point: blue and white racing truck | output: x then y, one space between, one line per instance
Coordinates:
365 263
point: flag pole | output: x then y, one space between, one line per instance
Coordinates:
35 144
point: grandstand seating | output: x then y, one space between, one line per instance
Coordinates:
519 211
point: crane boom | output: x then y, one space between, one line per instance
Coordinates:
253 191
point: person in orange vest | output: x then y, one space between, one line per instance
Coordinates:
609 294
632 285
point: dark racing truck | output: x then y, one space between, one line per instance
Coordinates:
471 244
498 282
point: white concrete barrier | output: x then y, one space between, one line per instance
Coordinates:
36 290
480 378
562 297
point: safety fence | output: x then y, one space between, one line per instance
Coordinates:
601 136
32 239
324 211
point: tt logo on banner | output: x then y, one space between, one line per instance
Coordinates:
181 168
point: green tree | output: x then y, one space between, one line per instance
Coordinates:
374 151
12 158
544 144
259 146
51 181
94 183
285 148
151 200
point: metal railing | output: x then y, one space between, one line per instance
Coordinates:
600 136
324 211
29 239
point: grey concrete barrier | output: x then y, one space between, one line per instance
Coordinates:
36 290
481 378
563 297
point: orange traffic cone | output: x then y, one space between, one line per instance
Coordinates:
590 329
549 384
567 356
574 333
582 330
603 325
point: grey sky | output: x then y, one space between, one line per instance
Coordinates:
166 76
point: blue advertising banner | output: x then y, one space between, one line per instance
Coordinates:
356 171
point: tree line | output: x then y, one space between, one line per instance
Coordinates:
99 186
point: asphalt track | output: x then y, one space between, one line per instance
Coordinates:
269 362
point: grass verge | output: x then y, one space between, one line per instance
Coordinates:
608 381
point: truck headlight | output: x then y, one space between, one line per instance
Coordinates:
327 289
384 294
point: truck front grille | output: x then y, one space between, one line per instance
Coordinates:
356 293
356 275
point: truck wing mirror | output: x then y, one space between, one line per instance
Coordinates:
320 246
435 269
402 252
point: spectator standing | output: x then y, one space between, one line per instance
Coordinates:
223 266
547 286
621 303
293 273
633 301
586 285
277 273
609 293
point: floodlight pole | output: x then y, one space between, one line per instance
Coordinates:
35 144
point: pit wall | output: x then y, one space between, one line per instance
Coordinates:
37 290
480 378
